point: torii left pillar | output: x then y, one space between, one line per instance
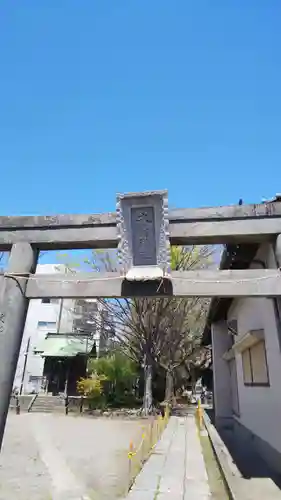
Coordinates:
23 259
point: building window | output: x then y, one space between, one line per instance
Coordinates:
46 324
255 370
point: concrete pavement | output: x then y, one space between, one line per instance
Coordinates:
176 468
54 457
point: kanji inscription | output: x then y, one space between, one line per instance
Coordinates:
143 231
143 236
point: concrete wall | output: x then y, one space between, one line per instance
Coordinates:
260 407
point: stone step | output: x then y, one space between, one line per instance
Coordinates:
50 408
48 404
40 409
50 399
55 400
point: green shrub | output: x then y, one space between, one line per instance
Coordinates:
92 388
119 374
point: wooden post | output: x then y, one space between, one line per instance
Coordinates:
14 308
24 366
81 404
17 405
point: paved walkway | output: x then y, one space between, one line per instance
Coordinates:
54 457
176 469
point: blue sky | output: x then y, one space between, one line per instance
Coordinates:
103 96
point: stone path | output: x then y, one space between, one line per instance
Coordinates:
54 457
176 469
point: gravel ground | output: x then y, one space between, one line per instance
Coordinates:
54 457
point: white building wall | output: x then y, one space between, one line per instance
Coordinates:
260 407
53 319
48 316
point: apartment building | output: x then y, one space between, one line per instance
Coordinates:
56 332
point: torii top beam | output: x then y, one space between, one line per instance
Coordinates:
214 225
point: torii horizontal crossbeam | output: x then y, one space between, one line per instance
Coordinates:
229 224
203 283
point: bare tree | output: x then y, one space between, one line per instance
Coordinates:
154 331
182 328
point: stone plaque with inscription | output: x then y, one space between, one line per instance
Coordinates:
143 236
143 231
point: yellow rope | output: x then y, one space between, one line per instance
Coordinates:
161 423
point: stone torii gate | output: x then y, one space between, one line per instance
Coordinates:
142 229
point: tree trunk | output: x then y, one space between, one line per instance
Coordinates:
147 395
169 392
193 380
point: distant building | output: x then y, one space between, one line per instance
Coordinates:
59 336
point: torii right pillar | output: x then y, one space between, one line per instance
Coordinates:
278 250
278 299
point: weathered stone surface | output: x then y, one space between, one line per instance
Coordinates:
187 226
143 236
203 283
143 230
13 309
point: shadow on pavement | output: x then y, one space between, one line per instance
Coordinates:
244 455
